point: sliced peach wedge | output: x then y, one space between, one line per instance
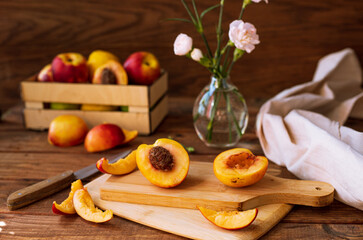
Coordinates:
129 135
85 208
231 220
66 207
165 163
122 166
238 167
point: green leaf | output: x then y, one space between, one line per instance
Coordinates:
178 19
208 10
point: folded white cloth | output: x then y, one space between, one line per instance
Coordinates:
301 127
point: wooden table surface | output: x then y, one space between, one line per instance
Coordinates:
27 157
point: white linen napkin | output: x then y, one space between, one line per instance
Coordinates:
301 127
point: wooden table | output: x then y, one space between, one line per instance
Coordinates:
27 157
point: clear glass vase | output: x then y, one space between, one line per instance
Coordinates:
220 114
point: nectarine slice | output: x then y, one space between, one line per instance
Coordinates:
238 167
164 164
86 209
230 220
122 166
129 135
66 207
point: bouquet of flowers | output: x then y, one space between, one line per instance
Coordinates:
214 102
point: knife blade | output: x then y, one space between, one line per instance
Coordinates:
40 190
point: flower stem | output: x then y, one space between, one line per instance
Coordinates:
211 121
219 35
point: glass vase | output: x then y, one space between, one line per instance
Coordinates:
220 114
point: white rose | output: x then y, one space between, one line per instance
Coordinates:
196 54
257 1
243 35
182 44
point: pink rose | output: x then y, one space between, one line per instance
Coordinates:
196 54
182 44
243 35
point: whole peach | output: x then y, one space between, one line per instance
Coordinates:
104 136
67 130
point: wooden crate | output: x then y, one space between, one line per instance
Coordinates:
147 105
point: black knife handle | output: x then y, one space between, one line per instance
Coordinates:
39 190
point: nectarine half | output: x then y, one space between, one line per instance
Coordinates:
238 167
164 164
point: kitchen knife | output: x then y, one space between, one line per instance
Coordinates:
54 184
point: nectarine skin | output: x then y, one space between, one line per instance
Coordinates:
143 68
70 68
67 130
45 75
238 167
103 137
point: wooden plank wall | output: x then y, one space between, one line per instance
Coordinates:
294 35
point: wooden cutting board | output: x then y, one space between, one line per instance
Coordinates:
201 187
188 222
182 221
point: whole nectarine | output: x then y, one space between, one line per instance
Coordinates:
70 67
67 130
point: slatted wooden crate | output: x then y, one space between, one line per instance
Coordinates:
147 105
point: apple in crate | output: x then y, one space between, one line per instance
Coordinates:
45 75
142 68
70 68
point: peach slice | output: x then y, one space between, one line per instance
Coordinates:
231 220
112 72
86 209
129 135
66 207
164 164
238 167
122 166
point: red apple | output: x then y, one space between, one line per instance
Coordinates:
103 137
70 67
45 75
142 68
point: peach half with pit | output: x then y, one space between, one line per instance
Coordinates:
122 166
238 167
97 58
112 72
231 220
66 207
86 209
164 164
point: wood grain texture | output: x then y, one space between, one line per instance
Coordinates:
294 35
177 220
134 188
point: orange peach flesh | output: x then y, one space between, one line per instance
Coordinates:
122 166
231 220
239 167
86 209
165 179
66 207
114 69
